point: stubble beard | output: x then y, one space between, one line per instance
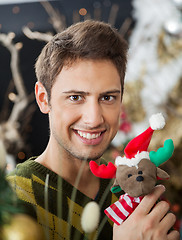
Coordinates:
76 154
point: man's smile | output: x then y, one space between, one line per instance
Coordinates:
88 135
91 138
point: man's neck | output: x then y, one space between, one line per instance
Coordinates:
73 170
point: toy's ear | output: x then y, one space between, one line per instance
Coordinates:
161 174
115 187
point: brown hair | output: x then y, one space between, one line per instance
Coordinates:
84 40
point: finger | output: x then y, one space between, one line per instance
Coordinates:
159 211
168 222
115 226
173 235
149 200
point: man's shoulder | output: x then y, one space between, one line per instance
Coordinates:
21 183
24 169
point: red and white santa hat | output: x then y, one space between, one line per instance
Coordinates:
136 149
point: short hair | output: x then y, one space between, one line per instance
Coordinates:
91 40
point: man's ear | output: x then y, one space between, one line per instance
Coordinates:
42 98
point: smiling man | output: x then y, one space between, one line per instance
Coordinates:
83 117
80 76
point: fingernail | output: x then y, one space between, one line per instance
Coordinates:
162 186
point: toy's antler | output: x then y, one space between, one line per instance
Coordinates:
103 171
163 153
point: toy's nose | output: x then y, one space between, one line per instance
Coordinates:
140 178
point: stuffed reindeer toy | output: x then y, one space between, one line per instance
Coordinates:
137 172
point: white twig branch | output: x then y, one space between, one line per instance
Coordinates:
125 26
21 100
37 35
113 14
2 153
76 16
57 20
6 40
97 14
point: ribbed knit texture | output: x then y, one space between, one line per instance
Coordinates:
28 181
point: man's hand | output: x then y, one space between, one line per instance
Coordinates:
148 224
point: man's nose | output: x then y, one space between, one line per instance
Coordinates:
93 114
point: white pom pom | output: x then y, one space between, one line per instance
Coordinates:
90 217
157 121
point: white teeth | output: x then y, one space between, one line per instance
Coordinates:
89 135
80 133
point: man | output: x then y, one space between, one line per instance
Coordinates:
80 76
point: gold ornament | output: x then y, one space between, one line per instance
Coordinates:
169 48
132 101
22 227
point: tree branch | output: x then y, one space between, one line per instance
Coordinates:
37 35
21 100
57 20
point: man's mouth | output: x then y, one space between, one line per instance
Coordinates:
89 136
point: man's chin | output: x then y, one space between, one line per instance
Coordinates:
90 158
86 155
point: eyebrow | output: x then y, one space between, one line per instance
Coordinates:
114 91
76 92
111 92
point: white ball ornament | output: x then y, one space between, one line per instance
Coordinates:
90 217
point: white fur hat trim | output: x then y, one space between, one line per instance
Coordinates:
157 121
133 162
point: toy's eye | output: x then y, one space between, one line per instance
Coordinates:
140 172
129 175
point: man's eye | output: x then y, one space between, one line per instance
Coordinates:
75 98
108 98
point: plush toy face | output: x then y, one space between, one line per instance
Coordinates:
137 181
137 176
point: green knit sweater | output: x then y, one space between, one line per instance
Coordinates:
49 198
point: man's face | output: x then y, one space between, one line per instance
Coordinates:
85 108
